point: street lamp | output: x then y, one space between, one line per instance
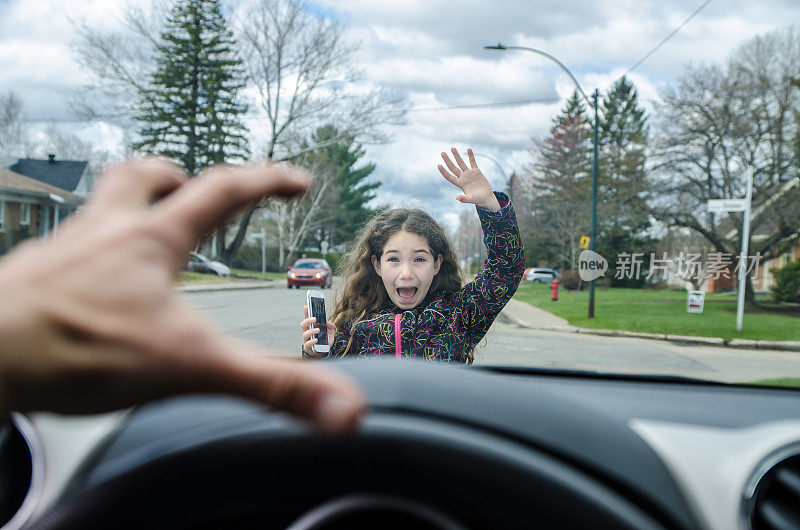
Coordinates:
591 103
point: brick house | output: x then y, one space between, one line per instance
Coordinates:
74 176
29 207
762 278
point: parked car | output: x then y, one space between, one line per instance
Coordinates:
309 271
200 263
534 274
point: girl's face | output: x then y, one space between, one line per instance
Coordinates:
407 268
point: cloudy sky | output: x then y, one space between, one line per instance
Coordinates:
432 52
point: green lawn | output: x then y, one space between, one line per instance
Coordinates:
237 275
664 311
792 382
275 276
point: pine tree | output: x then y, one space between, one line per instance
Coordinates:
560 186
191 111
345 211
623 183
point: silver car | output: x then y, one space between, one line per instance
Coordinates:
200 263
541 275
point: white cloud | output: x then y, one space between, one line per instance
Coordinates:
432 51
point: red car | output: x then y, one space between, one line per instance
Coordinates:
308 271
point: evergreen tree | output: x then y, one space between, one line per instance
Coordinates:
345 211
623 183
561 187
191 111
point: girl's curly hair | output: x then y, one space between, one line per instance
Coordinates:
363 290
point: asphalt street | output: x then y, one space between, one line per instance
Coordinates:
271 318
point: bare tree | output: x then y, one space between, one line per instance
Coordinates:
721 123
300 65
120 64
295 219
468 238
13 134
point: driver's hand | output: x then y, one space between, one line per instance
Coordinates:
90 322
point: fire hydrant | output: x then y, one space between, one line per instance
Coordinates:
554 291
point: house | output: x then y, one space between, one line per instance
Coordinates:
784 196
74 176
31 208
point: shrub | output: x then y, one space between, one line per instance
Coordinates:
334 259
18 235
787 283
570 279
248 257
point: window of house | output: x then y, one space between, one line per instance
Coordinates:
25 215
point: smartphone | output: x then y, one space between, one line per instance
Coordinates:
316 308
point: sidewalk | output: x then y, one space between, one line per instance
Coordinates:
527 316
202 287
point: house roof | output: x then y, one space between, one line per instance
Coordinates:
64 174
15 181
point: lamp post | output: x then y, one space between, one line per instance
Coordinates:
592 103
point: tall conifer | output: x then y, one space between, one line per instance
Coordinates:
192 109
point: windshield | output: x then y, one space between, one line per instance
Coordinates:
646 155
308 265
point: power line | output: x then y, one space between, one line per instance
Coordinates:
263 116
665 39
485 105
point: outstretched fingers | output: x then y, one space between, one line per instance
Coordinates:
472 163
459 160
133 184
450 165
324 397
448 176
207 201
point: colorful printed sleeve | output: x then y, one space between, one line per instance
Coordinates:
480 301
340 342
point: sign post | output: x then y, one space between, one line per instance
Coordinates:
263 251
738 205
743 267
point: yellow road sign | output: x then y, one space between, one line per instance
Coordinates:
584 242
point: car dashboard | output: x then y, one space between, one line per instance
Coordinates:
441 447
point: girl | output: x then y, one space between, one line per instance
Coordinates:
403 294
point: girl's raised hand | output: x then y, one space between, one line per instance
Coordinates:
475 187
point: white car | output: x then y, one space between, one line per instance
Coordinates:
200 263
540 275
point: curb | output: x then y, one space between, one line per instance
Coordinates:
238 286
677 339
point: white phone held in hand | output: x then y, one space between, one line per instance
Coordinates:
316 308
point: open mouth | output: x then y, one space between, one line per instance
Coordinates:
406 294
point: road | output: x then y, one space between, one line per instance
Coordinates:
271 318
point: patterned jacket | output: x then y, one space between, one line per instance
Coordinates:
446 326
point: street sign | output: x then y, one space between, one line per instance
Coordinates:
584 242
726 205
694 301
